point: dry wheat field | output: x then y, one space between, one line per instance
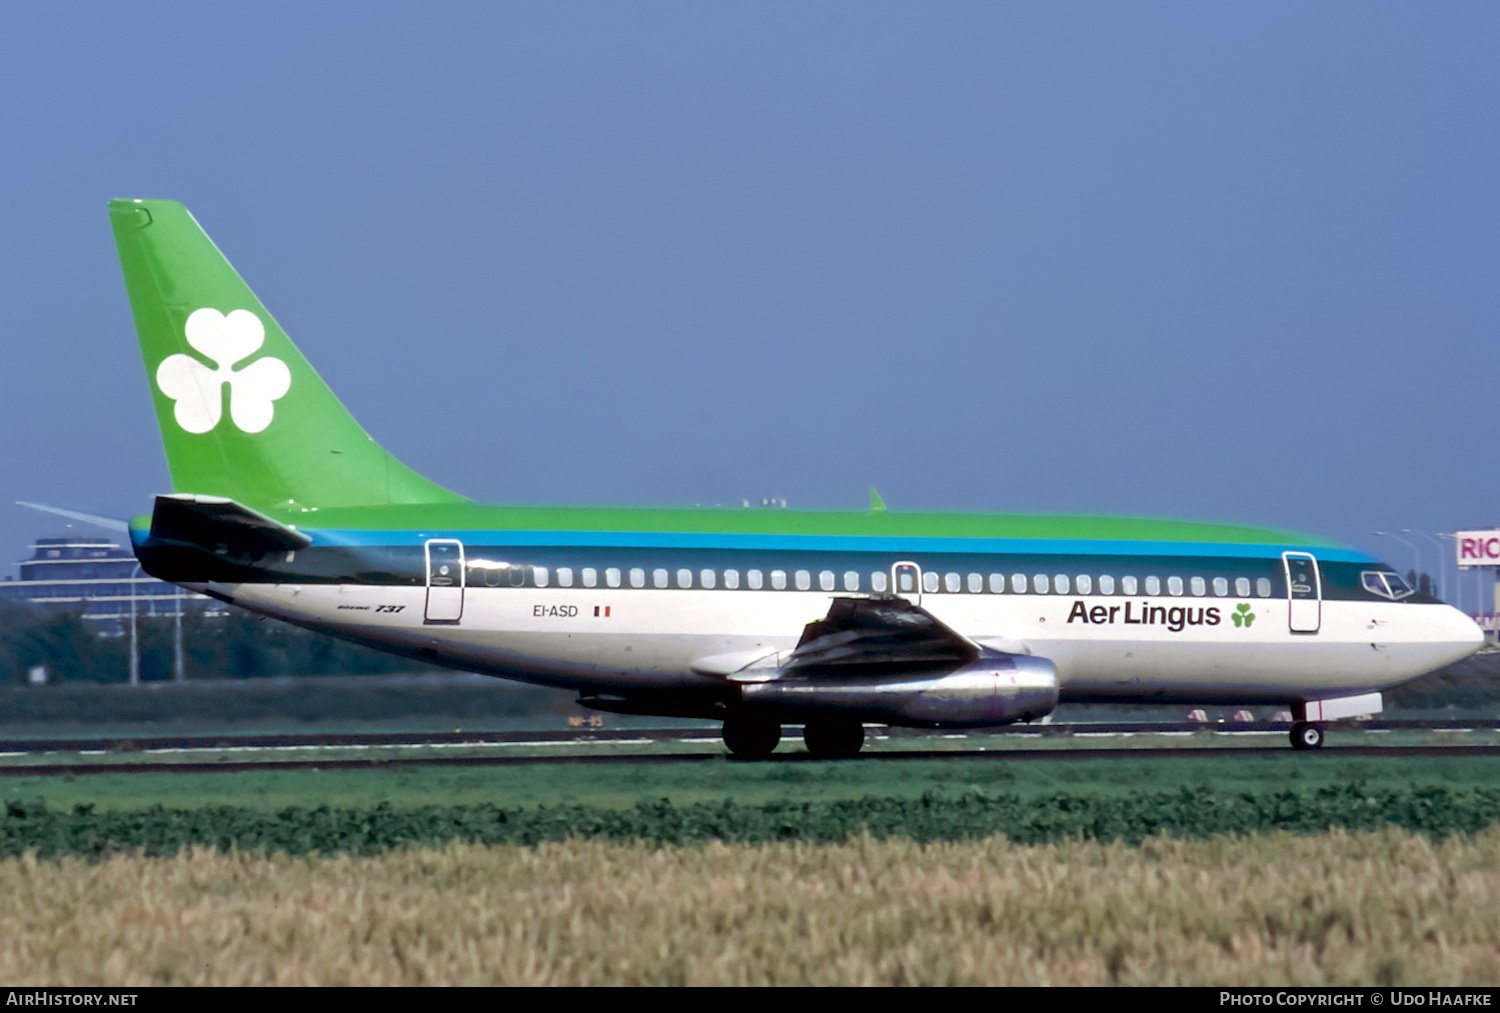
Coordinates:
1369 908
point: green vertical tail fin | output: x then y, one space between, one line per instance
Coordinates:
241 412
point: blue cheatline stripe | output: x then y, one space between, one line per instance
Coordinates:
831 543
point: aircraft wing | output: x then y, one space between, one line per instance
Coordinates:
877 636
858 638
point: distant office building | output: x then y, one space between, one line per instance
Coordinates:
98 575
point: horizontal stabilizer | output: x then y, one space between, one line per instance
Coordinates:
107 523
220 525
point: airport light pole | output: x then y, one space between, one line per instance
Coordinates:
178 674
1458 583
1432 575
1442 568
135 646
1417 556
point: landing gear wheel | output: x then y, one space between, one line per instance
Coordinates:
834 738
1307 736
750 737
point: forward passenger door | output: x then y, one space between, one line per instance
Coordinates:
1304 592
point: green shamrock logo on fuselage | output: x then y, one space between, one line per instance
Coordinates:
1242 615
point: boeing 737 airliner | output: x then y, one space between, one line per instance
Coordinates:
283 505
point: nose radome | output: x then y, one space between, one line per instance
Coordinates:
1459 634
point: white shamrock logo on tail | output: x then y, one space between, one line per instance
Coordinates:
199 390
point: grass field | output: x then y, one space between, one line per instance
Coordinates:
624 785
1332 909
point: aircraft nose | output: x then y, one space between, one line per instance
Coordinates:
1456 635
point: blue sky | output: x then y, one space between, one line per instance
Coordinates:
1216 261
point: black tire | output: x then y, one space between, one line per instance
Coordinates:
751 737
1307 736
834 738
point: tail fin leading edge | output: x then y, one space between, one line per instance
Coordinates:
242 413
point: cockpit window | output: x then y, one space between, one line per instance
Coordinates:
1387 584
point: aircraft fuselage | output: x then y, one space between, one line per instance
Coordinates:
623 612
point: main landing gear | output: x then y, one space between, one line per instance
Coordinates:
1306 735
834 738
750 736
754 737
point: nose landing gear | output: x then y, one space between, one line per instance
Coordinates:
1306 735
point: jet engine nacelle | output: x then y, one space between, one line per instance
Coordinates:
996 689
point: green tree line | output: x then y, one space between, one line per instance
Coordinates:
234 646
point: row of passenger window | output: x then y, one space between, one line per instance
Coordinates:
494 575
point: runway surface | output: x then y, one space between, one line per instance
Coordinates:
230 753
